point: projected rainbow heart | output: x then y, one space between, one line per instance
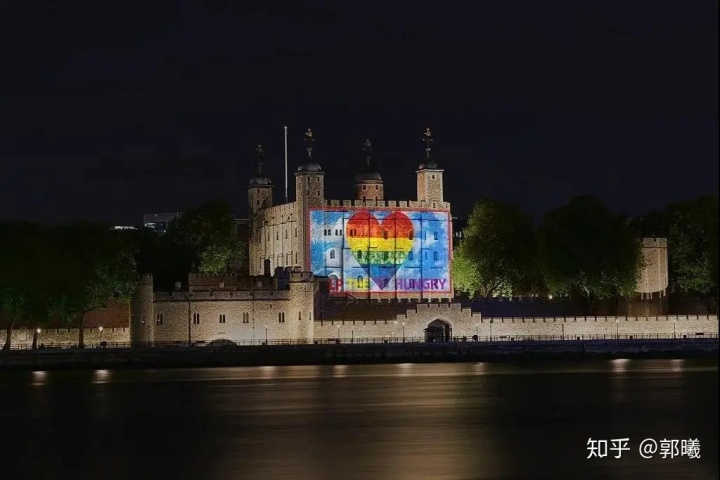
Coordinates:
376 243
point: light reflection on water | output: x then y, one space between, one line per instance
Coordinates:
403 421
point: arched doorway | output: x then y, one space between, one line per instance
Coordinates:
438 331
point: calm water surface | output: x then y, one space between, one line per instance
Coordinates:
404 422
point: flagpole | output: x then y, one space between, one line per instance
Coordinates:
286 167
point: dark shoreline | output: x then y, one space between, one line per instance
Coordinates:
276 355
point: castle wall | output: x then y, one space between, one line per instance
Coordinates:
275 236
654 272
466 323
22 337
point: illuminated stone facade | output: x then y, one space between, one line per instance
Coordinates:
281 235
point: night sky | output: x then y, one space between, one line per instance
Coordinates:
109 110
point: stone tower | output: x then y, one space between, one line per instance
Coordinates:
142 321
309 194
260 188
368 182
429 176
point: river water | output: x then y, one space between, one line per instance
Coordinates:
399 422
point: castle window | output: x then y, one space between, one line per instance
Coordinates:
296 258
159 319
222 318
432 176
318 193
410 255
281 317
332 254
277 235
376 187
385 256
196 318
364 198
364 187
435 235
435 256
246 317
358 254
359 280
257 202
296 232
286 233
385 234
299 315
410 235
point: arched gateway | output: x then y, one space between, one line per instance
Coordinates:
438 331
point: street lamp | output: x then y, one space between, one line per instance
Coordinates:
617 329
491 322
100 329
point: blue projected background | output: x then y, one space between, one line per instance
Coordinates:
381 251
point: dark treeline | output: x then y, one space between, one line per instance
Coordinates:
57 274
584 251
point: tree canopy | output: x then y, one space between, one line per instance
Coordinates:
92 264
208 236
584 247
692 228
24 252
497 253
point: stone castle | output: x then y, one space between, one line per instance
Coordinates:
366 269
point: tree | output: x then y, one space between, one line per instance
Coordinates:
584 247
92 265
693 245
497 254
23 289
208 233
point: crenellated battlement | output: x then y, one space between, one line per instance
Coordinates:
399 204
654 242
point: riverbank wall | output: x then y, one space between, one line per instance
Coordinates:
331 354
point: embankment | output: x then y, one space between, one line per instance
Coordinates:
356 353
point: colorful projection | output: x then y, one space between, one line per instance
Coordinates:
381 250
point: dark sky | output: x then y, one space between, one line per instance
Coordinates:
109 110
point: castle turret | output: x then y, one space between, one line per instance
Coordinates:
368 182
429 175
142 323
260 188
309 194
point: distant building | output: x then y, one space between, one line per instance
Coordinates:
159 221
123 227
